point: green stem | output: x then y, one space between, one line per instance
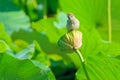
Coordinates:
109 21
83 63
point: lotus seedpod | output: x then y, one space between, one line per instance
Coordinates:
70 42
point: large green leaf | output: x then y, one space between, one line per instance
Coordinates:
15 69
40 37
92 44
115 5
108 48
100 67
91 40
93 13
34 52
12 17
45 33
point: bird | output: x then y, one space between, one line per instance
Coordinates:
72 22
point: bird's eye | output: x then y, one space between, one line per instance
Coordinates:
71 16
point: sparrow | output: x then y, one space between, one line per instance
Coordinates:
72 22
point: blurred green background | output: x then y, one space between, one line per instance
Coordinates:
30 29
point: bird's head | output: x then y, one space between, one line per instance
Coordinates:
70 16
